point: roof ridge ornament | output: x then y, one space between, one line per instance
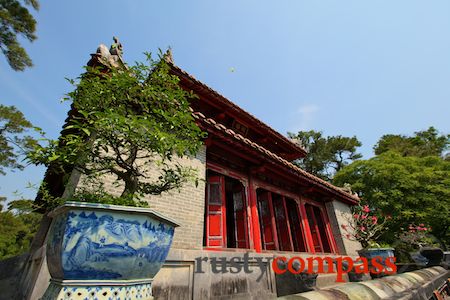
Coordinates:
168 56
110 58
116 47
297 141
348 189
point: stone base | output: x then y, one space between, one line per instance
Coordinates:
109 291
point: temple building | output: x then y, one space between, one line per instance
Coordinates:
252 202
251 199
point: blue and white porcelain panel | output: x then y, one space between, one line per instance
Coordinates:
89 244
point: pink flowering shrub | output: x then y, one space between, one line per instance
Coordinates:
417 236
365 226
411 239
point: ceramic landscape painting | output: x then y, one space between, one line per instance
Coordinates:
87 244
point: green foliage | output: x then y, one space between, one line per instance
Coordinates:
125 121
422 143
17 228
14 140
410 189
15 19
18 223
326 155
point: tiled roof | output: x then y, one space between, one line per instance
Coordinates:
300 172
236 108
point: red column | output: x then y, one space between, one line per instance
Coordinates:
255 233
309 239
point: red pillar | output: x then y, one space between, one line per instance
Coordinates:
309 239
254 217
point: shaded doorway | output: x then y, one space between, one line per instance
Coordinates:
225 213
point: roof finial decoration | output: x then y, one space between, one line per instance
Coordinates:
116 47
111 57
168 57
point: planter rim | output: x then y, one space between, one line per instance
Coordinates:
115 208
430 248
381 248
91 282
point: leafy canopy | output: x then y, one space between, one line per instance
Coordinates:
17 227
411 189
423 143
14 138
18 223
16 20
326 155
125 121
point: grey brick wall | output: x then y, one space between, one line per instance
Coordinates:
185 206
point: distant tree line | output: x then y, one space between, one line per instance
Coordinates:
18 222
407 178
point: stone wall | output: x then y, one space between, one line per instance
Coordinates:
339 213
179 280
185 206
179 277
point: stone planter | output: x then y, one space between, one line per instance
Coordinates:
433 255
370 253
108 251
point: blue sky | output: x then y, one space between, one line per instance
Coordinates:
361 68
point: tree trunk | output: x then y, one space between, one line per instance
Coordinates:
131 185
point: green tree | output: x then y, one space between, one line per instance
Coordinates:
124 121
16 20
18 224
423 143
326 155
411 189
14 138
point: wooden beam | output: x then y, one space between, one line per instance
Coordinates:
262 140
258 169
220 116
236 152
208 141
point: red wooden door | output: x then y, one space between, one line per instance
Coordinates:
295 225
265 213
320 219
313 226
240 217
215 212
283 232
